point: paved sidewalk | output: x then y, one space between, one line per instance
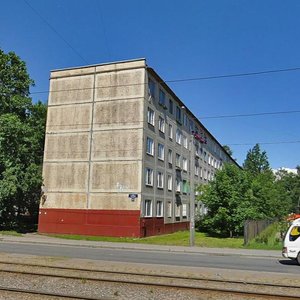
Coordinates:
33 238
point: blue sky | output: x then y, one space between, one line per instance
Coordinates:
179 39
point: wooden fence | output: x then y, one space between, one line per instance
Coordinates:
253 228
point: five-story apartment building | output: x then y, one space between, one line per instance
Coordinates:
122 153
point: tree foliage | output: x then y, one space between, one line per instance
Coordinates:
256 161
22 127
228 149
254 192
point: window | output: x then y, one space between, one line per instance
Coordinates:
185 187
178 114
294 234
177 211
150 146
178 185
170 157
151 116
148 208
149 177
169 209
170 131
151 87
196 170
201 172
161 152
159 208
162 98
191 125
185 120
178 160
208 175
204 156
184 164
171 107
161 124
185 142
170 182
160 180
209 159
178 136
205 174
184 211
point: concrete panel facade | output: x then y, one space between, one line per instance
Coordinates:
118 152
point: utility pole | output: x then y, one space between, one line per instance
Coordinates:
192 192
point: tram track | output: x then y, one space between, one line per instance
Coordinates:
255 290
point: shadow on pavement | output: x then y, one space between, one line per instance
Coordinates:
288 262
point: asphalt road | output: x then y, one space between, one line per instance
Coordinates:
263 264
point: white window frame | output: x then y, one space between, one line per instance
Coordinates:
185 142
161 151
151 116
160 180
196 170
178 185
170 131
178 160
150 149
169 209
184 210
159 208
161 124
170 156
151 87
162 97
149 177
178 136
177 211
148 208
170 182
184 164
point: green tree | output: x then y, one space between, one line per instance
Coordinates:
256 161
228 149
22 127
289 185
228 200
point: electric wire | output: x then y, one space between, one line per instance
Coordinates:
179 80
55 31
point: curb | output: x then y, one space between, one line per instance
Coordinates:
152 248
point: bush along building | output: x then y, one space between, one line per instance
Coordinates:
122 153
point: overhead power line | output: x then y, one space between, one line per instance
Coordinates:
55 31
176 80
265 143
250 115
236 75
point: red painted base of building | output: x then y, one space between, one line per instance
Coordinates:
116 223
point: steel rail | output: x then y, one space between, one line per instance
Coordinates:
149 275
48 294
240 292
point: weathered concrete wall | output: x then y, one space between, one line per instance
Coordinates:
93 147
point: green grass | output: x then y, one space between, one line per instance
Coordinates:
10 232
268 239
180 238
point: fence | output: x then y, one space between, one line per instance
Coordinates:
253 228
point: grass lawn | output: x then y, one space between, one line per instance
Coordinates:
10 232
180 238
267 240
